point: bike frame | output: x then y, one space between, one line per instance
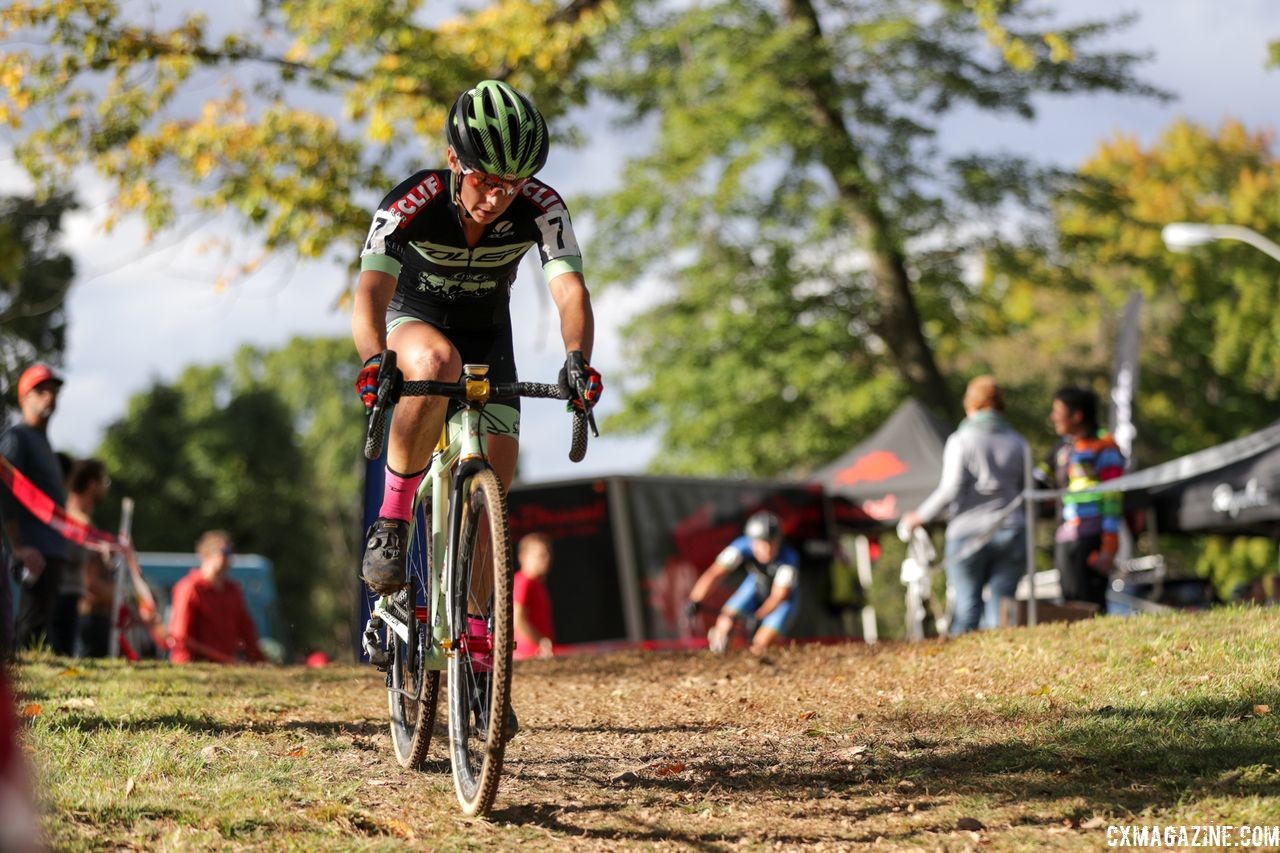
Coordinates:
453 461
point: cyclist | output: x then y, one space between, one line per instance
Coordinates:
770 593
435 281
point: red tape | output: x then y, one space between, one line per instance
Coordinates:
47 511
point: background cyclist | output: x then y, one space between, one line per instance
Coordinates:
434 287
770 592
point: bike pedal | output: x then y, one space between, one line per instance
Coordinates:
378 656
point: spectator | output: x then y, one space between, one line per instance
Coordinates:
87 486
535 631
1086 540
210 621
983 473
769 596
38 555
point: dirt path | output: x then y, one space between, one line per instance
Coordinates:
1012 740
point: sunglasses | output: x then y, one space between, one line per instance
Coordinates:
488 183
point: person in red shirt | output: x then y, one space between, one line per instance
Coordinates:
535 633
210 621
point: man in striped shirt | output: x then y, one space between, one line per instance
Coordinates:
1086 540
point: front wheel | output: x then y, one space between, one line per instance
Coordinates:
480 666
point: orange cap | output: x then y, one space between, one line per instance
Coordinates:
34 375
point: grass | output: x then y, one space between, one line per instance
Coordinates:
1040 736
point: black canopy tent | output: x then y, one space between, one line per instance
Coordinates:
891 472
1239 497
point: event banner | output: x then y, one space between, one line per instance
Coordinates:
586 599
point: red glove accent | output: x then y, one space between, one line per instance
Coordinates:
594 387
367 382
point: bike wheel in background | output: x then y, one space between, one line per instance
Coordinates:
412 690
480 668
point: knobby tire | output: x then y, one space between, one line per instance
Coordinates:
477 761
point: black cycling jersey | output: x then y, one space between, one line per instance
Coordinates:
417 236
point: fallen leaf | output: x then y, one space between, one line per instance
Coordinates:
78 703
669 768
72 672
852 752
624 778
378 782
211 751
31 709
294 753
129 786
1262 710
1094 823
808 715
400 828
970 824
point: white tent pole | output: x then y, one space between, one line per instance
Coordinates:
1029 509
862 552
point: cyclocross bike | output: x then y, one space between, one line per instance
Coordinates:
455 611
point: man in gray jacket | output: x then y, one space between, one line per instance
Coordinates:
983 471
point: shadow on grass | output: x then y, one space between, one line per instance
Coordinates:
205 724
1117 760
1102 761
557 819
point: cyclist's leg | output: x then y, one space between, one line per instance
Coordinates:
502 422
423 352
744 600
776 627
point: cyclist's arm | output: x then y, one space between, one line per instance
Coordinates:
706 580
374 290
577 323
777 595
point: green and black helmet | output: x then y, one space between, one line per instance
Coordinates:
495 129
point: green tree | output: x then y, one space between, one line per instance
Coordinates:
199 454
312 377
797 204
267 447
1210 363
35 275
292 119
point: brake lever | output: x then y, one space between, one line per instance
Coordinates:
588 407
390 379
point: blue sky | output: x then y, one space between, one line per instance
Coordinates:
140 313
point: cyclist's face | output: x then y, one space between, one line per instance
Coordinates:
765 550
486 197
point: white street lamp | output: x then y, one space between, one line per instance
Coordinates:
1183 236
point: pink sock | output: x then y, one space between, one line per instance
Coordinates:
397 494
